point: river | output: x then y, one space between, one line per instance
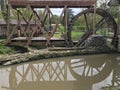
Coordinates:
87 72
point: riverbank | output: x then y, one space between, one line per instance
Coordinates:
33 54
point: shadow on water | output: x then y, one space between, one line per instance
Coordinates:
73 73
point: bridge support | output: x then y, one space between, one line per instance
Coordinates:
35 24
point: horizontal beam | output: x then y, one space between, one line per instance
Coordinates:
51 3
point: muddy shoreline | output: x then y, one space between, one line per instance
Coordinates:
41 54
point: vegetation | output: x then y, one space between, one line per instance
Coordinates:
12 49
4 9
113 10
1 15
5 50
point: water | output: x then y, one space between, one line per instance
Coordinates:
90 72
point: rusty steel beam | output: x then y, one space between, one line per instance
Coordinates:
52 3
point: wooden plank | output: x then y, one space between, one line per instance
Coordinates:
37 39
52 3
65 48
8 25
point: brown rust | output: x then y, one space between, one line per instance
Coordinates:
52 3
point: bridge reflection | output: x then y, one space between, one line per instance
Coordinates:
116 73
79 73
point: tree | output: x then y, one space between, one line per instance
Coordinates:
56 17
70 14
113 10
3 4
4 9
103 4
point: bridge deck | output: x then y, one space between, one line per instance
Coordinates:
52 3
38 41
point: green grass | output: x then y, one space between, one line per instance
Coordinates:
57 35
5 49
76 35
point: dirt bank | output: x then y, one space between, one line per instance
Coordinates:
33 55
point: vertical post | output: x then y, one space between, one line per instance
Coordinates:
94 19
18 27
66 20
119 27
8 24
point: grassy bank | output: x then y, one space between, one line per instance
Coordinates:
5 49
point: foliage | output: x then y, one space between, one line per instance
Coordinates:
70 14
5 49
103 4
56 18
1 15
5 15
59 31
114 11
80 21
4 9
79 28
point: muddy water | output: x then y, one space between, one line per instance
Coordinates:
91 72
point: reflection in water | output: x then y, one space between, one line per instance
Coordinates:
73 73
116 73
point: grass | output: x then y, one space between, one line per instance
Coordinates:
58 35
5 49
11 49
76 35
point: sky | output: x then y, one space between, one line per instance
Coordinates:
77 10
59 11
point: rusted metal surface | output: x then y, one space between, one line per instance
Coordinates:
52 3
